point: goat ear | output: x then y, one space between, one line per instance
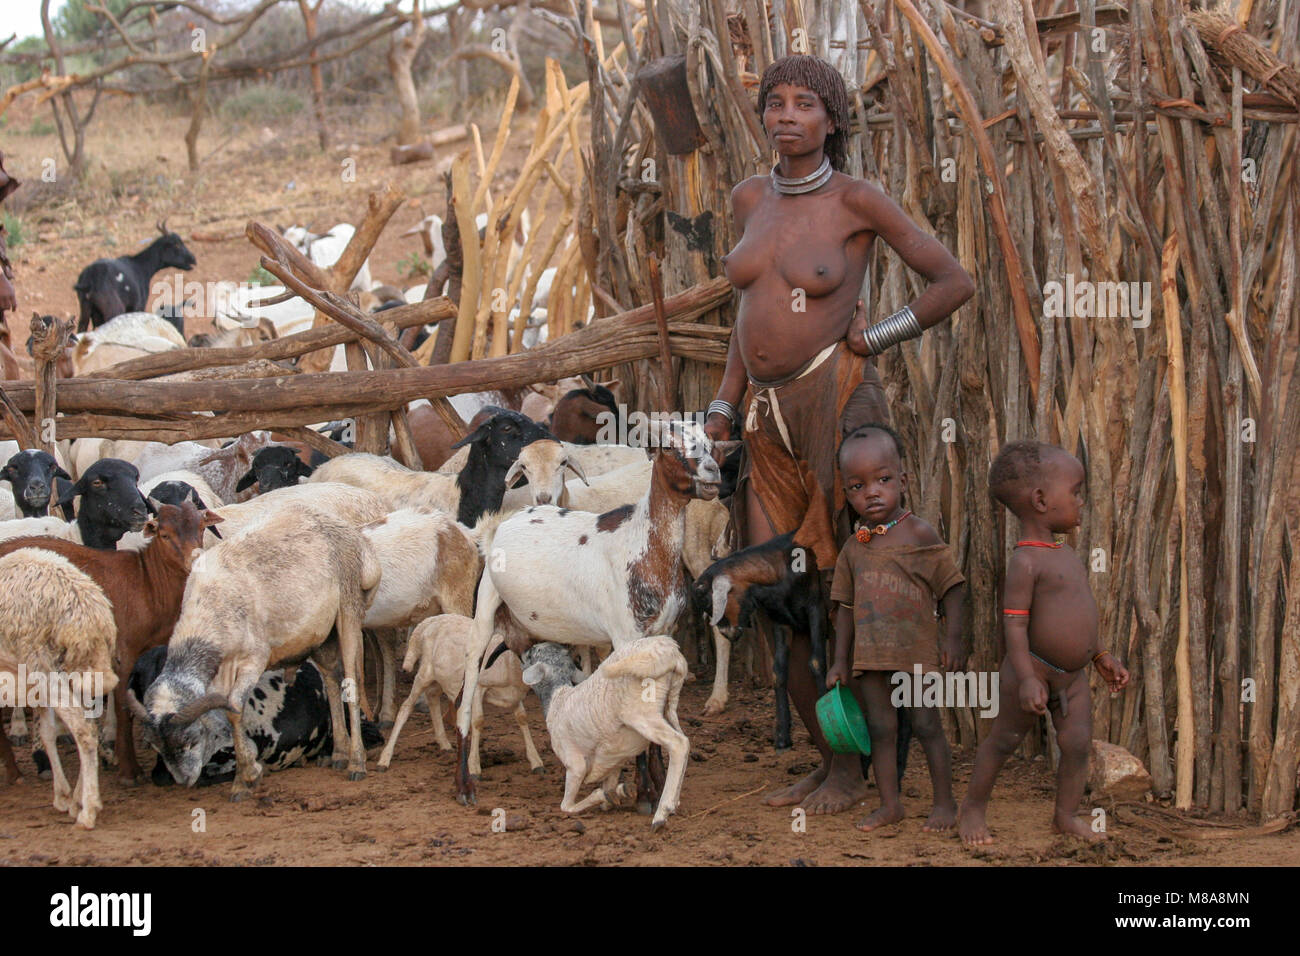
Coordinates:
574 467
150 505
210 518
8 473
721 449
533 674
721 589
77 489
250 477
150 528
60 473
477 434
301 468
515 470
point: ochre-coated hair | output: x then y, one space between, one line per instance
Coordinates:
814 73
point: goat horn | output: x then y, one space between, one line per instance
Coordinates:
197 708
138 709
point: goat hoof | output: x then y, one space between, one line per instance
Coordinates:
539 770
46 775
658 825
714 707
386 725
339 763
645 808
239 796
381 768
467 799
18 740
357 775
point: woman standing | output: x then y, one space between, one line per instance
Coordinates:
799 372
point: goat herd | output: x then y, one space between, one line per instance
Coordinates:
182 580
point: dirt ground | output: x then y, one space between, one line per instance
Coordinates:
408 816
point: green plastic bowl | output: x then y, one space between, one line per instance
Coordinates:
842 722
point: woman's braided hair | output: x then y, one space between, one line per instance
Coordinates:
814 73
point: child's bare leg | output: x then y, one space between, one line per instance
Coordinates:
928 727
1074 737
1009 728
873 692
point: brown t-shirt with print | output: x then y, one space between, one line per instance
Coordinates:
894 594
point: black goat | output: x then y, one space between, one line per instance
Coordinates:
275 466
174 492
111 504
782 580
110 287
494 447
33 474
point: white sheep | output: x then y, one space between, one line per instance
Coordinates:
325 249
398 485
57 621
355 506
50 527
438 644
629 703
430 566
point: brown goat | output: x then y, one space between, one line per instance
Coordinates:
145 588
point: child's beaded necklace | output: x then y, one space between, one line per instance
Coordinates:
864 533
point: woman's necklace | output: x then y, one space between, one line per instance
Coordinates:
864 534
1037 544
793 186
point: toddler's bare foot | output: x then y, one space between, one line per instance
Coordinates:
972 826
943 817
881 818
1071 825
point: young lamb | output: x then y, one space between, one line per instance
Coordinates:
629 703
145 588
438 645
620 572
57 620
109 287
252 603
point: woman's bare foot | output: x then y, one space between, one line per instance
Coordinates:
943 817
972 826
844 786
796 792
1071 825
881 818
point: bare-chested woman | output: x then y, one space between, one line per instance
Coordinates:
798 375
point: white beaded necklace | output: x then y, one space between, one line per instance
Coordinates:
793 186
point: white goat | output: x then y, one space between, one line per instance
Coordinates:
355 506
56 620
438 645
629 703
620 572
325 249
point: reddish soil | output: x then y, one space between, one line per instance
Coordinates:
409 815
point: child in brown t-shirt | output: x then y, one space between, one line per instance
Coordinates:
888 578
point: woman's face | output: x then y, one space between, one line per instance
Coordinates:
796 120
